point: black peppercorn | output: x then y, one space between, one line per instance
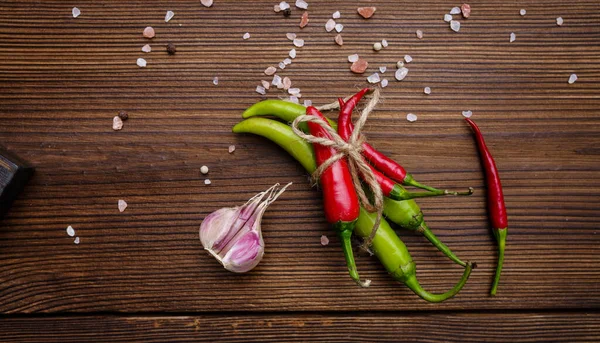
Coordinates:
123 115
287 12
171 49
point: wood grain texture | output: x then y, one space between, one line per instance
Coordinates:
449 327
63 79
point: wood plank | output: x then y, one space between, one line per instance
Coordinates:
444 327
63 79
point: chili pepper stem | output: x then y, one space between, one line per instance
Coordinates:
414 285
425 231
501 238
344 231
409 180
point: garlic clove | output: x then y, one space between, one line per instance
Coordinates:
245 254
214 227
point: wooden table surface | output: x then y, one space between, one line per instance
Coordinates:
143 275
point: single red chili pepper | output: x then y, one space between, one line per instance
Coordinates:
340 201
495 200
388 168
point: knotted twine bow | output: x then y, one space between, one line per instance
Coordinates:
352 151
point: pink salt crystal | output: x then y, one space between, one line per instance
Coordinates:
146 48
324 240
270 70
149 32
366 12
466 10
359 66
206 3
231 149
419 34
265 84
304 20
122 205
338 40
117 123
287 83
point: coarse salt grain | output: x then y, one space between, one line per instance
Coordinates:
117 123
377 46
447 17
270 70
384 43
169 16
246 35
427 90
293 91
455 10
411 117
276 80
207 182
70 231
382 69
287 61
298 42
206 3
336 15
384 83
304 20
419 34
401 73
265 84
408 58
149 32
284 5
455 25
302 4
147 48
215 81
572 79
287 83
513 37
373 78
231 149
204 170
122 205
324 240
467 114
339 27
307 103
359 66
290 35
559 21
260 90
523 11
339 40
466 10
292 53
76 241
294 99
366 12
281 65
329 25
76 12
353 58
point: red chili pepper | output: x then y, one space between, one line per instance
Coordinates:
387 166
340 201
495 200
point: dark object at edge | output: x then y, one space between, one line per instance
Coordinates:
14 174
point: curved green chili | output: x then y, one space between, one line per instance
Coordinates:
284 110
390 250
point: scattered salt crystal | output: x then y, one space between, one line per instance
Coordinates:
76 12
169 16
523 11
146 48
204 170
427 90
298 42
384 83
76 241
207 182
302 4
377 46
559 21
231 149
294 99
360 66
466 10
455 10
284 5
401 73
276 80
270 70
246 35
339 27
287 61
70 231
411 117
572 79
293 91
447 17
265 84
384 43
149 32
215 81
206 3
455 25
117 123
366 12
281 65
373 78
307 103
419 34
339 40
467 114
292 53
329 25
290 35
287 83
407 58
324 240
260 90
400 64
382 69
336 15
513 37
353 58
122 205
304 20
276 8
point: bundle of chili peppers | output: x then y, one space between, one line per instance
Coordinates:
342 208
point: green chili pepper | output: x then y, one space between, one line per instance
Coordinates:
387 246
284 110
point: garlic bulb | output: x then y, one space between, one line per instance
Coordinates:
233 234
